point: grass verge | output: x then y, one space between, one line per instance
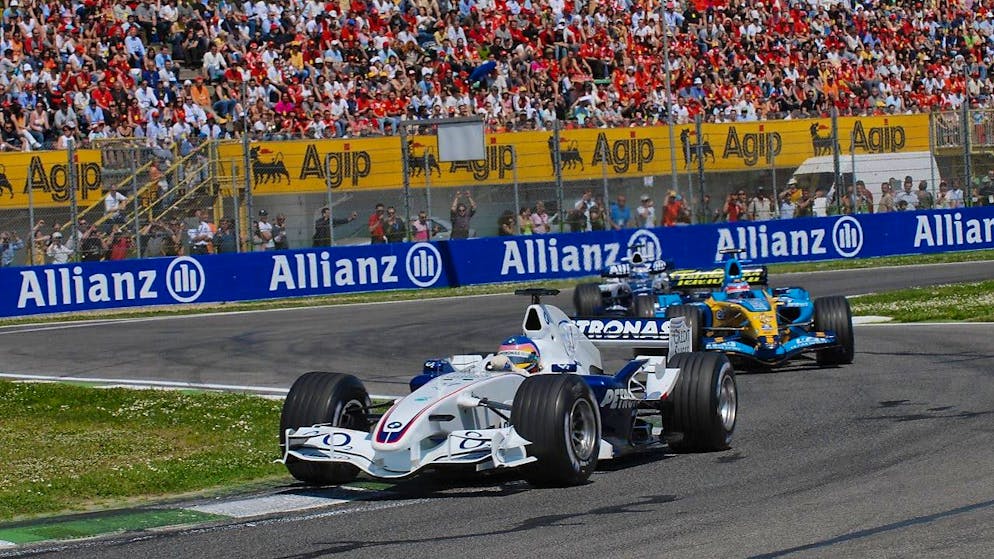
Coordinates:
489 289
72 448
972 302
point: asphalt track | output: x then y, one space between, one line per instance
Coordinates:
889 457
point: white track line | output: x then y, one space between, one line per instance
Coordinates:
270 504
134 383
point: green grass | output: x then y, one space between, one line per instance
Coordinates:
489 289
972 302
73 448
906 260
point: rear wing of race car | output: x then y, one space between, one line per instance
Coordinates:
714 279
673 334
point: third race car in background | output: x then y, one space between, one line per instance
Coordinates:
756 325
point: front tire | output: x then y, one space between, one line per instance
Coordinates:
558 414
324 398
644 306
587 299
834 314
704 403
694 317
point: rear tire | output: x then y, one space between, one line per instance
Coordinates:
558 414
644 306
587 299
704 403
694 316
329 398
834 314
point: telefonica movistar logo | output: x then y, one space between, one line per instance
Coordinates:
185 279
424 264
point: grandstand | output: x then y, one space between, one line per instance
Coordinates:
167 70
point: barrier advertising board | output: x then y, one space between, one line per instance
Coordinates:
268 275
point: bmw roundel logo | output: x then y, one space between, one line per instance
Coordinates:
847 236
185 279
424 264
646 243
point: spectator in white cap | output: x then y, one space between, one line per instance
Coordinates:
58 252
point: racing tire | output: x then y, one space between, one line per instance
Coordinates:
703 406
324 398
644 306
587 299
834 314
558 415
694 316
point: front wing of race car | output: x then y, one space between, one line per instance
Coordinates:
485 448
771 352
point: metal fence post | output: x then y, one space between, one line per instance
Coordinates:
406 171
517 196
427 196
699 129
73 209
132 168
328 199
852 171
773 179
236 206
967 164
31 220
836 164
557 165
931 150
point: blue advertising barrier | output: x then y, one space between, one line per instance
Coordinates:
269 275
215 278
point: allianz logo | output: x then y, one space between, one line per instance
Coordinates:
845 237
951 229
75 285
314 270
541 255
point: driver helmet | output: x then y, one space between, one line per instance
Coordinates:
521 354
737 289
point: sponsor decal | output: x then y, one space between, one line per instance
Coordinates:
313 270
185 279
751 146
76 285
618 399
623 155
758 242
498 164
423 264
646 243
543 255
878 139
272 171
623 329
847 237
338 166
952 230
693 150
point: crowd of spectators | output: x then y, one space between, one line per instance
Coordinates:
168 70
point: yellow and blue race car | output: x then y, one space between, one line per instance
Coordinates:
731 310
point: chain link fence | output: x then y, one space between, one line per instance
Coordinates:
122 199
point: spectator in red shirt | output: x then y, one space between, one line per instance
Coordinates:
376 220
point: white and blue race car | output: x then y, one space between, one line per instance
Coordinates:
554 423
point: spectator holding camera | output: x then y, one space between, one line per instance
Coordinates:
10 243
377 231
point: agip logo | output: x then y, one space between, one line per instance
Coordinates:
646 243
847 236
185 279
423 264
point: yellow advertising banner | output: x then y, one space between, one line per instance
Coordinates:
376 163
45 175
